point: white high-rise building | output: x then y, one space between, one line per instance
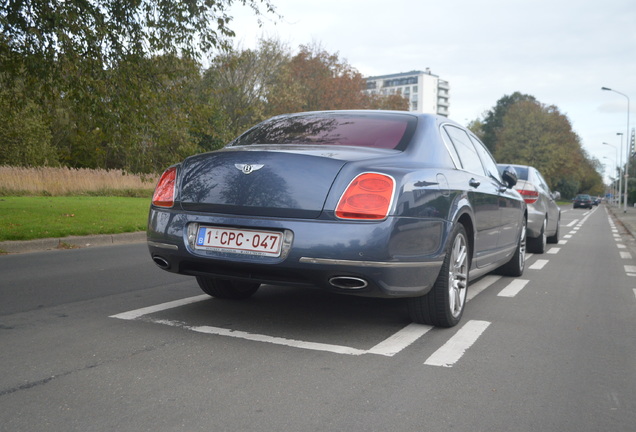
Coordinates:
426 92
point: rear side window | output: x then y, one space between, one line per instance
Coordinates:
542 182
388 131
486 158
465 150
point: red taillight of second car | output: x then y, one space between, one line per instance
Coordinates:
368 197
164 192
530 196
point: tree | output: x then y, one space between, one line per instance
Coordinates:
24 133
316 80
477 127
242 80
493 119
385 102
538 135
109 30
252 85
114 80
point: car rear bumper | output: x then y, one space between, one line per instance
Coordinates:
397 257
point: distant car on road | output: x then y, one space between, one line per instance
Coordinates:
369 203
544 215
583 201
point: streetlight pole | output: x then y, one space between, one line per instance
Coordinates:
629 150
612 184
620 175
619 171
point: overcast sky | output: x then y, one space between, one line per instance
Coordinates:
560 51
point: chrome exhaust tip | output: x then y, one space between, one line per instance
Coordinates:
161 262
348 282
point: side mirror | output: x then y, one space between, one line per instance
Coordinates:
509 176
556 195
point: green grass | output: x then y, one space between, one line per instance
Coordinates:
34 217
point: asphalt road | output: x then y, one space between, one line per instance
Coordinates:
100 339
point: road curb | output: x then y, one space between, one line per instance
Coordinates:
71 242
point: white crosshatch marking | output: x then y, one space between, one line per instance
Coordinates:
538 264
388 347
630 269
457 345
513 288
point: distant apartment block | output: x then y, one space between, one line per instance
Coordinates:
426 92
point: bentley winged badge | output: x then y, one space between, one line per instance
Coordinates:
248 168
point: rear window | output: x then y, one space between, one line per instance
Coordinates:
522 172
376 130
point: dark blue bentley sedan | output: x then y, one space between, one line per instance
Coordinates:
372 203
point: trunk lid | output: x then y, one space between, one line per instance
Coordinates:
273 181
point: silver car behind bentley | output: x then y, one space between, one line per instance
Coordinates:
544 214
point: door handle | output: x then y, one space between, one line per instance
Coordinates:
474 183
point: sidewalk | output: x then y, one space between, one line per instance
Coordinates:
627 219
72 242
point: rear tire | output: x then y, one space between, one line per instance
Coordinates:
517 263
538 244
227 289
444 305
553 239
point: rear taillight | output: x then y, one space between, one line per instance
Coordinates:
368 197
164 192
529 196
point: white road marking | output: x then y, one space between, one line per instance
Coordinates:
457 345
538 264
620 246
572 223
270 339
478 287
513 288
134 314
400 340
563 242
635 293
567 236
554 250
626 255
388 347
630 269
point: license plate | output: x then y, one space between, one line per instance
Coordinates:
241 241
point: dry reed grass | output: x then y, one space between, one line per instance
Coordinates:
69 181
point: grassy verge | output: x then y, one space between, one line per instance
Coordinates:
49 181
33 217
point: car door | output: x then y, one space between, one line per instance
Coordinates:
510 204
483 194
